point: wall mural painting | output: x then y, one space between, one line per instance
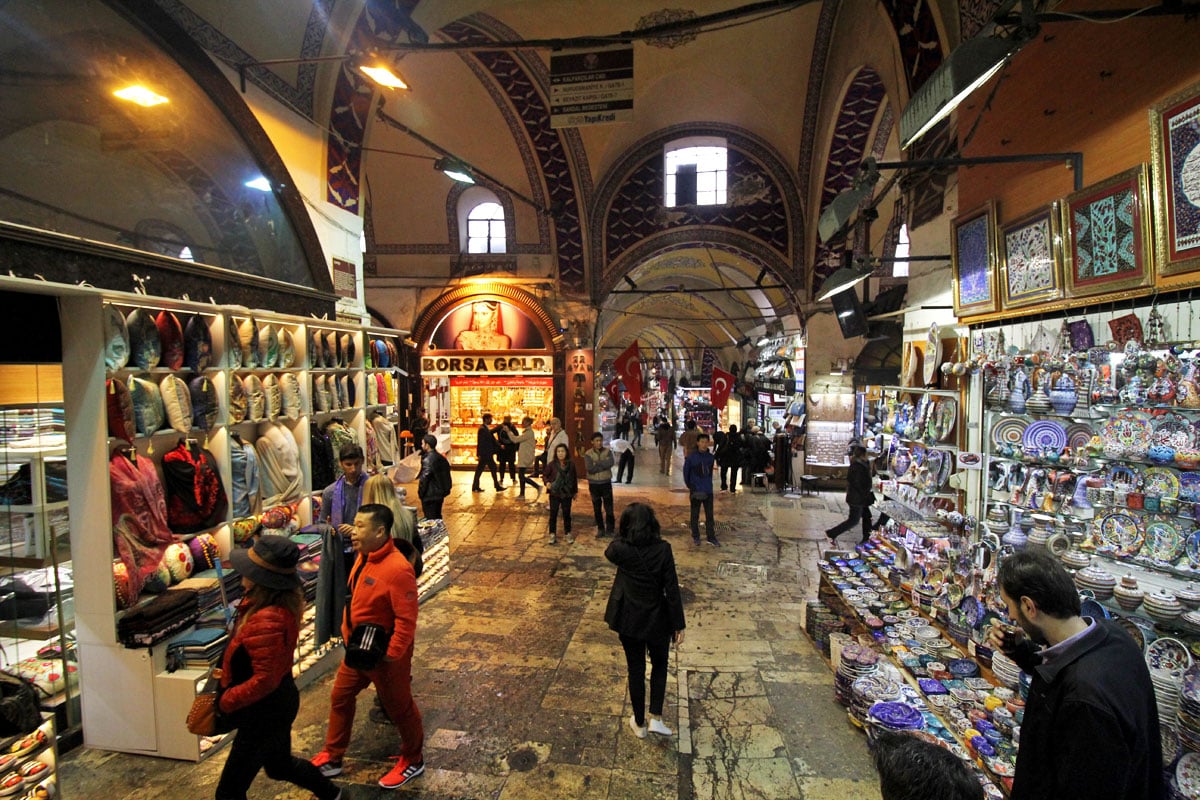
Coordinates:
1107 235
1175 145
1032 259
487 324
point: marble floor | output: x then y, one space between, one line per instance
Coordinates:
522 685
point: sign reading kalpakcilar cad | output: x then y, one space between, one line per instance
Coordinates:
591 87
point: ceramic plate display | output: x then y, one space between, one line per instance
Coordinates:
942 421
1187 774
971 610
1129 429
901 463
1044 435
1164 541
1192 547
1189 486
933 353
1134 630
1161 481
1173 430
1117 533
1009 430
1078 435
1170 655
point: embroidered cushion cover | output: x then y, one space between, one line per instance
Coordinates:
170 338
177 400
116 338
144 348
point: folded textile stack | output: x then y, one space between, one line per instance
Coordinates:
151 622
232 581
208 591
199 649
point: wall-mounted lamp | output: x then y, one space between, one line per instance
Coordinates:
454 169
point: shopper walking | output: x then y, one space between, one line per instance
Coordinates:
729 457
383 592
525 442
433 482
485 453
562 484
639 425
258 693
555 435
688 440
664 437
697 476
506 454
1091 721
599 463
623 451
380 489
859 496
645 609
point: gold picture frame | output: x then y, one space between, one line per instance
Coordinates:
1106 236
1174 146
973 256
1031 258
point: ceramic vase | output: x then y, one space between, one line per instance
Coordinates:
1062 396
1162 606
1127 594
1075 559
1190 596
1019 392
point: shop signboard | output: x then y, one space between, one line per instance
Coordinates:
591 87
483 364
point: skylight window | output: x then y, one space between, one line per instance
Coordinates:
485 229
694 172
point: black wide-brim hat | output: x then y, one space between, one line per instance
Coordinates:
271 562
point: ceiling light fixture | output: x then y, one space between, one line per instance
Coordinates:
843 279
379 72
144 97
454 169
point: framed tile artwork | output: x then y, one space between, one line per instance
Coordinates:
1175 166
1031 253
1107 236
973 253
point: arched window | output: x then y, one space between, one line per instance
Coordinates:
694 171
485 229
900 265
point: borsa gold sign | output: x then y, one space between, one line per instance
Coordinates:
486 365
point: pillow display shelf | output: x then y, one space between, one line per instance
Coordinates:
29 763
892 656
265 348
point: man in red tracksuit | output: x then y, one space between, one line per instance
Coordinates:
383 590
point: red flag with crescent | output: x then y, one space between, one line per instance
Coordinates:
722 383
629 369
613 390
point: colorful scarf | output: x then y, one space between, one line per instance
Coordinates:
339 496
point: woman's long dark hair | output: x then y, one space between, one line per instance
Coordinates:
259 597
639 525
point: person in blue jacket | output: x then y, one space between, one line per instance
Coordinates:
645 608
697 476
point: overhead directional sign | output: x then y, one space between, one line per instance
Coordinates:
591 87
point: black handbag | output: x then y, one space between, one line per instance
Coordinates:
367 646
19 712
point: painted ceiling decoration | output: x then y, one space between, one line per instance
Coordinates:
812 98
917 35
663 17
527 94
851 132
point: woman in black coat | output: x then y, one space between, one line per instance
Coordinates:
645 609
858 496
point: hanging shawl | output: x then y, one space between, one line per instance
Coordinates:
385 438
139 515
195 497
339 499
243 466
279 465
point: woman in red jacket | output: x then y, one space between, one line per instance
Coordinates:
257 691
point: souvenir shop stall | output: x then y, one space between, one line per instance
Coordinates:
486 349
694 402
778 382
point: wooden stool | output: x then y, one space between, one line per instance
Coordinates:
808 484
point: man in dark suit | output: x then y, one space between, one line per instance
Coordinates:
486 447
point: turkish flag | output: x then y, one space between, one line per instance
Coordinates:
722 384
612 389
629 369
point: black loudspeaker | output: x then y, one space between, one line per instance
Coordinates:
850 316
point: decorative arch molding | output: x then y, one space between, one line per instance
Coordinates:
735 243
428 319
774 217
848 144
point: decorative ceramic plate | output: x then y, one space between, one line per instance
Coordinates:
1134 630
933 353
1173 430
1042 435
945 414
1189 486
1122 475
1164 541
971 610
911 357
1078 435
901 463
1117 533
1130 429
1161 481
1169 655
1009 430
1192 548
1088 607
